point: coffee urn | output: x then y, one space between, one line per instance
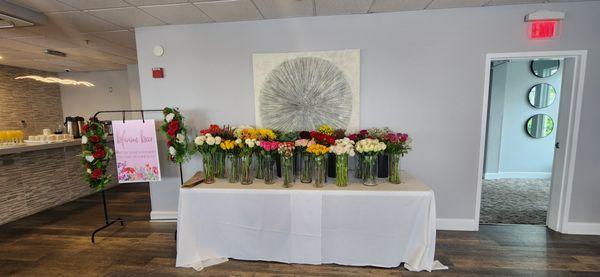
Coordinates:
71 127
79 121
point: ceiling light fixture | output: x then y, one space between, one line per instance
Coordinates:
56 80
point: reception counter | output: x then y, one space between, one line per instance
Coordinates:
37 177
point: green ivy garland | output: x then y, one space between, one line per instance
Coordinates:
96 155
176 134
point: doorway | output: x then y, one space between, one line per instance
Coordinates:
529 129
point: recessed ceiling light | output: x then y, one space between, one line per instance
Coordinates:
1 57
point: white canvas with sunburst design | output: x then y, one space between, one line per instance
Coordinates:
303 90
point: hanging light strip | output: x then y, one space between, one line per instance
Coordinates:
56 80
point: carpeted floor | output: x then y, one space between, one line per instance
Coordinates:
515 201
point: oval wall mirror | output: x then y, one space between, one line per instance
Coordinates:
541 95
539 126
544 68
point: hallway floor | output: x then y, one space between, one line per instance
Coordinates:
515 201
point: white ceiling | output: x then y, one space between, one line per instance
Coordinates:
99 35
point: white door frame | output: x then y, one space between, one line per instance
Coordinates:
559 220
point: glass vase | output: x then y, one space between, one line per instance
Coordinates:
358 166
369 170
233 168
220 164
269 168
246 174
287 171
209 168
394 176
259 165
319 171
341 170
305 164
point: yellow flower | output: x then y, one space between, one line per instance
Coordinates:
266 134
325 129
317 149
227 145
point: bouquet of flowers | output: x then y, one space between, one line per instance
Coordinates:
342 149
268 149
397 144
379 133
319 153
286 152
247 148
225 133
323 135
96 155
208 145
176 135
369 148
362 134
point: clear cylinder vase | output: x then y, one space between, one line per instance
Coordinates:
395 176
319 171
341 170
305 172
259 165
219 162
269 169
369 170
233 168
208 165
358 166
287 171
246 174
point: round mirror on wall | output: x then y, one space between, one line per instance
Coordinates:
544 68
539 126
541 95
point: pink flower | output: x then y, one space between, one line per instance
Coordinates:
269 145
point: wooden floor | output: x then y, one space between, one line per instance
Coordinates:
56 242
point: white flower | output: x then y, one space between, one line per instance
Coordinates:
89 158
84 140
217 140
180 138
238 141
170 117
89 171
210 140
172 151
199 140
250 143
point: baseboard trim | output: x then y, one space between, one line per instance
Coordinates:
582 228
163 216
517 175
457 224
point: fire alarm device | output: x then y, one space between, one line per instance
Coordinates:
158 72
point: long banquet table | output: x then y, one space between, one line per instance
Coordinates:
382 226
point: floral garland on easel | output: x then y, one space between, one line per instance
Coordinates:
96 155
176 134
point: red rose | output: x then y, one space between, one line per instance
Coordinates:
364 132
97 173
99 154
169 143
304 135
99 146
85 128
95 139
330 140
174 125
172 132
353 137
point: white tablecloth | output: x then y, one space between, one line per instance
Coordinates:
361 226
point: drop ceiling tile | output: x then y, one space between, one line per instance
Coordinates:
124 38
78 21
43 5
20 46
449 4
48 42
177 13
398 5
512 2
95 4
237 10
285 8
331 7
154 2
126 17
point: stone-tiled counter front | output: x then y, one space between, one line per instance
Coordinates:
35 178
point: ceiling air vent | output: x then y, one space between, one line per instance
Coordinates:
12 15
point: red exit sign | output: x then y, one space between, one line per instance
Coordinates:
543 29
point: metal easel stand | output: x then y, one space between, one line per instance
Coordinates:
107 221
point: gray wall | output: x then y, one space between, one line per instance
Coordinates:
422 72
513 151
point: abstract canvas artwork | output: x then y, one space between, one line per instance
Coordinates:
301 91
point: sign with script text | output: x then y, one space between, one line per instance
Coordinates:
136 151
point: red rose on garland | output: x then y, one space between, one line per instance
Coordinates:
99 154
94 139
176 135
96 173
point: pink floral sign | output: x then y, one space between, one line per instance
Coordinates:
136 151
